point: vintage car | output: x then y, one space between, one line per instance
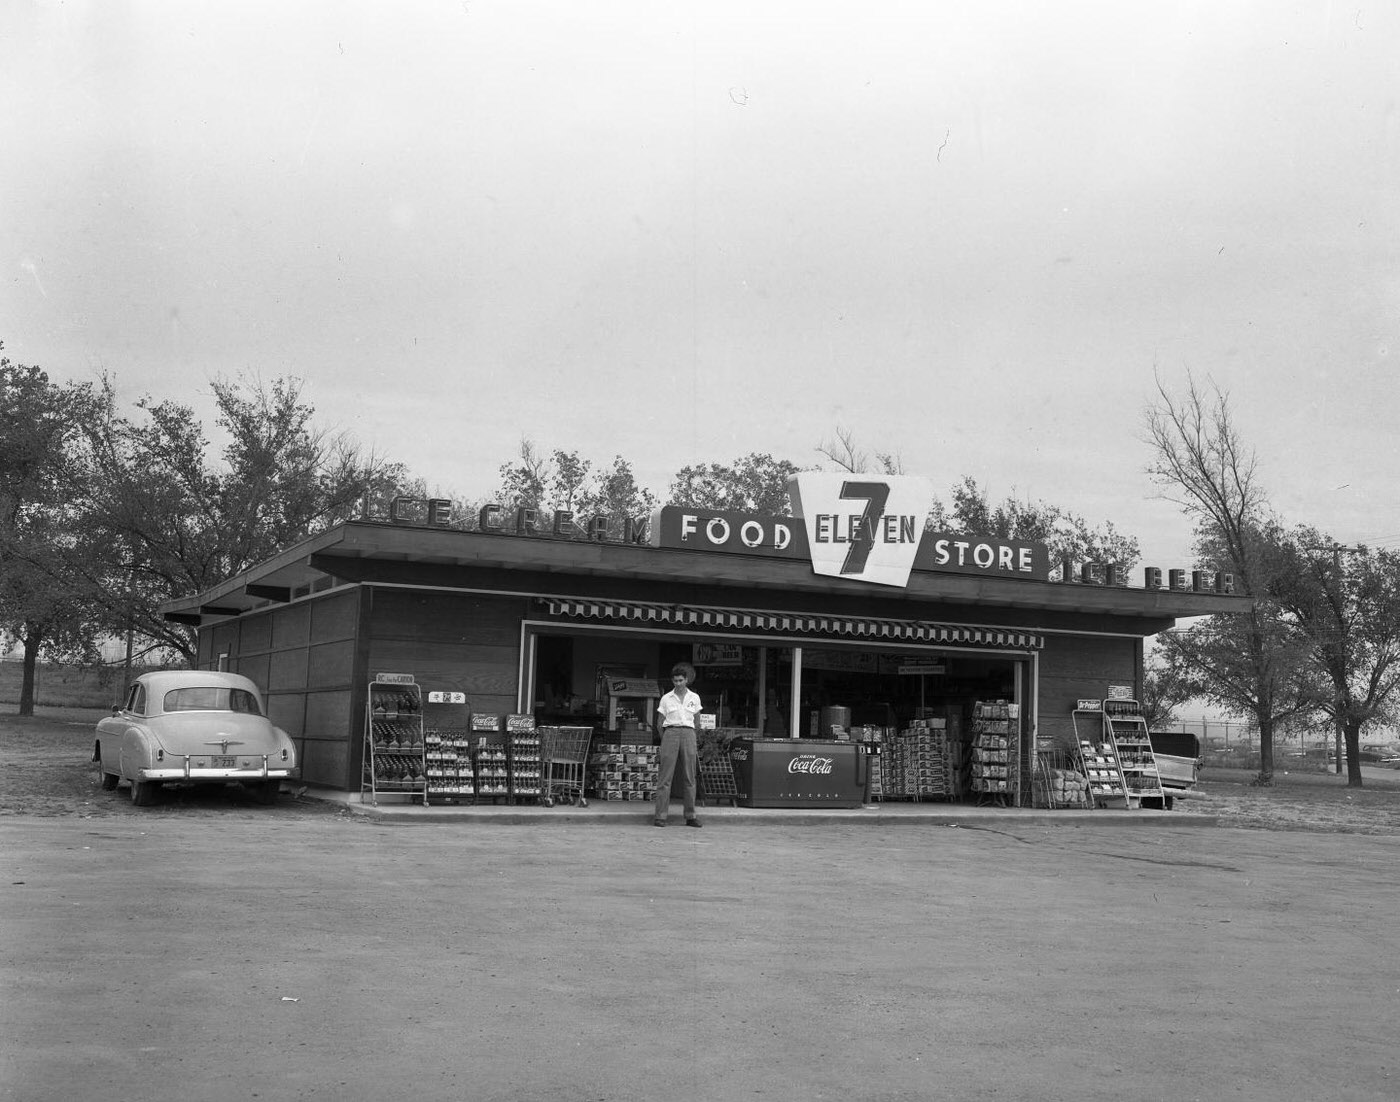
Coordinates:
191 727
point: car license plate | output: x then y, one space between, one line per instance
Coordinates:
217 762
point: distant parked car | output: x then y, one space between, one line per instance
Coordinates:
191 727
1380 754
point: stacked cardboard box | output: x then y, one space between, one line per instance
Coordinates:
919 762
623 771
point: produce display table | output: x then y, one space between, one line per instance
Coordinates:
785 772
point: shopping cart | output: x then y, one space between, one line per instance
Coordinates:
563 758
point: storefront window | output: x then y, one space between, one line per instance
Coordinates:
748 686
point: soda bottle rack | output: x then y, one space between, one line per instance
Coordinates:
1115 755
395 761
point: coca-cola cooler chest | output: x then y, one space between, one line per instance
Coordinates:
785 772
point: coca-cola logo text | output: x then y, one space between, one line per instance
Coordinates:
810 763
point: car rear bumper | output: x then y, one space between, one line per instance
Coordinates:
185 771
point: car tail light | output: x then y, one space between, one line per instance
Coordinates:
160 755
284 753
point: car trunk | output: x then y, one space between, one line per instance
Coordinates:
209 734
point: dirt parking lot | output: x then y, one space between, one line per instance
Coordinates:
213 949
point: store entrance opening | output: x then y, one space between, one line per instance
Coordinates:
891 689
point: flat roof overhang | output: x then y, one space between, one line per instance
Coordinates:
440 558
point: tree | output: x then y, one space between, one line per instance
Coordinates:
1256 667
566 482
525 480
1166 686
754 483
1348 608
1068 535
614 493
848 457
179 524
41 607
1248 662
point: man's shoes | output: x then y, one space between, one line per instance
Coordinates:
658 822
694 823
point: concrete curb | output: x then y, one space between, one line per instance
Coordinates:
635 814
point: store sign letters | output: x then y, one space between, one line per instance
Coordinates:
855 527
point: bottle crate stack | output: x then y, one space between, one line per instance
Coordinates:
448 758
492 771
623 771
875 762
524 763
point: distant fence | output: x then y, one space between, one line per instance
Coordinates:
1307 749
63 686
1237 733
1217 732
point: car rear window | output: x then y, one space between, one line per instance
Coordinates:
211 698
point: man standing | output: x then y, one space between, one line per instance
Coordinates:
675 716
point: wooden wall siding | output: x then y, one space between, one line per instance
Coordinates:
318 671
331 664
255 667
225 639
331 741
288 711
291 626
329 711
335 617
308 687
1074 667
326 762
288 670
454 642
447 617
255 633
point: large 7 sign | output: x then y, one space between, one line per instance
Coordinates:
862 529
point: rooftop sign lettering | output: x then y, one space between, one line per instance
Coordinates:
859 528
854 527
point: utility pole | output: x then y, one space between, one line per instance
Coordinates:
1337 551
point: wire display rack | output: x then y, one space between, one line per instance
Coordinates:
716 770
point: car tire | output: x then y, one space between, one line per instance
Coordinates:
145 793
266 792
109 781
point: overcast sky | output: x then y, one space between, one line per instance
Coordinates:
970 234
